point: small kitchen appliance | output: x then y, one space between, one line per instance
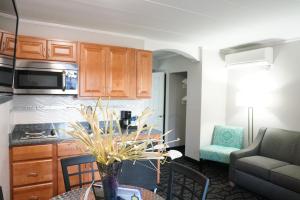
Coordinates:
125 119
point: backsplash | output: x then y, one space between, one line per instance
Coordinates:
53 109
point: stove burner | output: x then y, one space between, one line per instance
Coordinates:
39 135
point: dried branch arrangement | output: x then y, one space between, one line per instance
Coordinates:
109 144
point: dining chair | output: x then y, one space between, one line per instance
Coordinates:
140 173
80 164
186 183
1 194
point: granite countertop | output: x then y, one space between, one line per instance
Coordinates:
15 138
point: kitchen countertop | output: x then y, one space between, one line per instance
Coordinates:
20 129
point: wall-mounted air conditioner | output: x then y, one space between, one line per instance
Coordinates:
257 57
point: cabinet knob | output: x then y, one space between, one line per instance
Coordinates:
32 174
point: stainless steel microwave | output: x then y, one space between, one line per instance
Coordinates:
6 74
36 77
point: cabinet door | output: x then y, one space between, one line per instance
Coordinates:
118 72
32 172
33 152
8 44
144 74
31 48
34 192
61 51
92 70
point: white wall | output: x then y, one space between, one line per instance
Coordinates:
193 106
4 148
51 108
275 93
213 102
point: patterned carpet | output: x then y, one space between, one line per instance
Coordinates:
219 188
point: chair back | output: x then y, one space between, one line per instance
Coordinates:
186 183
228 136
141 173
1 194
78 171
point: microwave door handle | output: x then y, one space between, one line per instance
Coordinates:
64 80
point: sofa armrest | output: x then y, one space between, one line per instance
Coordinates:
250 150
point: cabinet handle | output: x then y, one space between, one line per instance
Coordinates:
32 174
48 53
34 198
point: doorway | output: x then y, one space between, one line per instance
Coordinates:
176 99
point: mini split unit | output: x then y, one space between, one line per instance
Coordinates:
262 57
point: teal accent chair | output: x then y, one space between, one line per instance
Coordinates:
226 139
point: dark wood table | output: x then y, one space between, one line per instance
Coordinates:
78 194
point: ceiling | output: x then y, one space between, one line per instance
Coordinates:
219 23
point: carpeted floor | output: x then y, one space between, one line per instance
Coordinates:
219 188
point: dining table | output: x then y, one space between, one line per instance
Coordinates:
79 193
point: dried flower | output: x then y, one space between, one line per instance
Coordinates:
108 144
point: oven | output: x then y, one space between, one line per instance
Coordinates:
33 77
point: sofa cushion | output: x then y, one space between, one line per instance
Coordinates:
287 176
216 153
258 165
280 144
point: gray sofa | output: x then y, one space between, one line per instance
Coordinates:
270 166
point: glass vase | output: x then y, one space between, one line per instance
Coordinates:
109 178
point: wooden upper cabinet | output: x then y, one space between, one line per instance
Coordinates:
118 72
61 51
92 70
7 44
144 74
31 48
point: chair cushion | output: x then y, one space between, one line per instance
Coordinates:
258 165
228 136
216 153
280 144
287 176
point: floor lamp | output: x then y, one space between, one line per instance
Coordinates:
250 125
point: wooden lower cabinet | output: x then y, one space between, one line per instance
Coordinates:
39 176
32 172
32 152
32 168
34 192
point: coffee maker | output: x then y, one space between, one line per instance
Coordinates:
125 119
